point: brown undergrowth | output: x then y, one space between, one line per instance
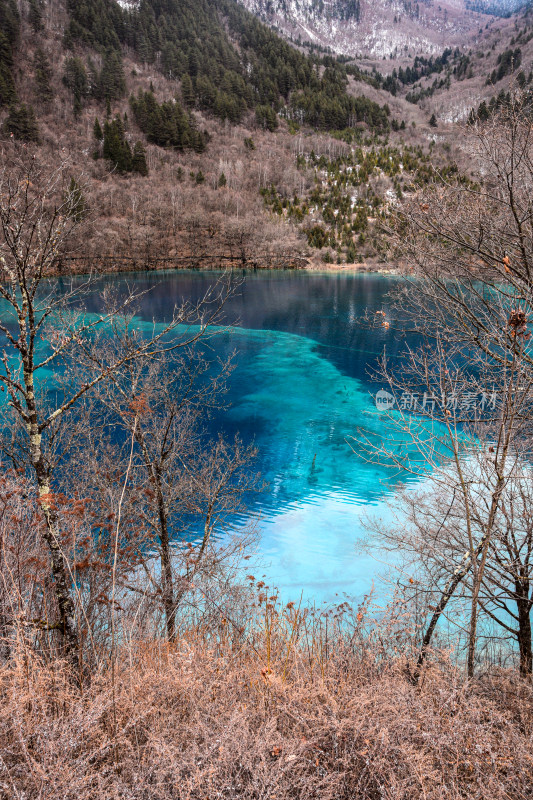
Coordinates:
265 715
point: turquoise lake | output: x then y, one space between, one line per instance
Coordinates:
300 389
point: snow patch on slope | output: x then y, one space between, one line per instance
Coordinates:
129 5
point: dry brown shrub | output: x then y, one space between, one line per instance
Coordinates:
258 717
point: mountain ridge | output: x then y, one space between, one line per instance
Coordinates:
380 28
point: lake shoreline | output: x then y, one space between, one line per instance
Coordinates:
354 269
121 265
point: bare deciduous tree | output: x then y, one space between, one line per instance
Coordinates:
47 333
186 487
470 380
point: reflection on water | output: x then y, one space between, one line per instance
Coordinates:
301 387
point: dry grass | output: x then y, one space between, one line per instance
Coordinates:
261 717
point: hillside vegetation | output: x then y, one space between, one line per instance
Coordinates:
206 104
228 123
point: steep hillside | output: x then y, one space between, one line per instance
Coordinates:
377 28
200 137
497 59
499 8
183 120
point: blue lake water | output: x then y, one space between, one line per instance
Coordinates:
300 389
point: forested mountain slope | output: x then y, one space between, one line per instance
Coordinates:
187 121
378 28
498 59
198 100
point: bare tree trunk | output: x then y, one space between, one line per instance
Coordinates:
51 533
60 572
166 563
154 470
458 576
472 636
524 628
62 582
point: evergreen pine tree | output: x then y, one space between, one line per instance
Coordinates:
166 125
36 15
483 112
43 76
193 64
266 118
111 82
139 159
433 121
21 123
99 136
97 130
116 149
75 78
7 84
187 91
198 140
9 32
